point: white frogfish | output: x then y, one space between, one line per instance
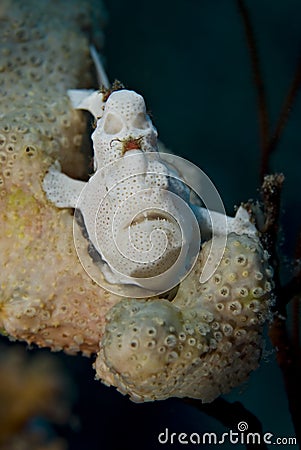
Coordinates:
144 233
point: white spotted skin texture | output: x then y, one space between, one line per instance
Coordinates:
122 203
114 216
200 345
124 118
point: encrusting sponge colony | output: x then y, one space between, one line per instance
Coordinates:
200 343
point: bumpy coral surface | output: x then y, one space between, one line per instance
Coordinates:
200 345
46 296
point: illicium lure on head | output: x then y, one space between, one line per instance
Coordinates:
133 206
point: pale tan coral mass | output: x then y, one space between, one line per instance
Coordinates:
46 296
200 344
